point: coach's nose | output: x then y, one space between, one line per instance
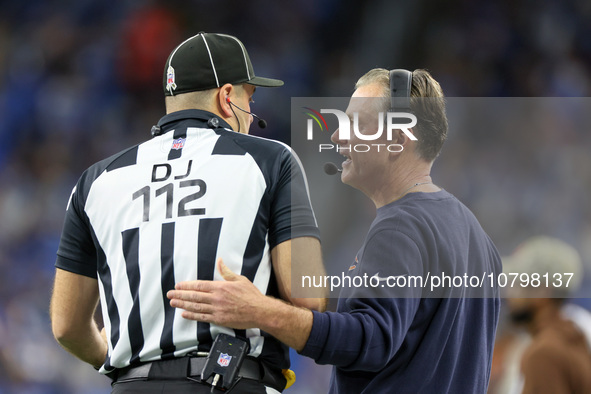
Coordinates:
335 138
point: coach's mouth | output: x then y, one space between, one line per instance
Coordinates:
347 158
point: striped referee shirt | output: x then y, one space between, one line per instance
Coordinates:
162 211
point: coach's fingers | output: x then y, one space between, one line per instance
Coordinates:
190 296
195 307
196 285
227 273
207 318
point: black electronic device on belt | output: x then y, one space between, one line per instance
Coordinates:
224 361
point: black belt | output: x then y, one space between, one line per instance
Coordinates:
191 367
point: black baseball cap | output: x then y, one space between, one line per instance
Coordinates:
207 61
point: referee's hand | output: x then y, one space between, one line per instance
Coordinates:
232 303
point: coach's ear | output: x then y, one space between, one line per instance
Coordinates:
225 92
400 142
401 138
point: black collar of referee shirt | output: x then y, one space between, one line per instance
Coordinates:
199 114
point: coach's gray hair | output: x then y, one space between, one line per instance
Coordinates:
431 128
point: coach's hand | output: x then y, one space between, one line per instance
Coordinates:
231 303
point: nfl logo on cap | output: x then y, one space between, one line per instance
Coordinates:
224 359
170 84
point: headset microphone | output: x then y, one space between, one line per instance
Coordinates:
331 168
262 122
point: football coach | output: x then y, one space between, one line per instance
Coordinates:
415 343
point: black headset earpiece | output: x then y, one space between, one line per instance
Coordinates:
400 85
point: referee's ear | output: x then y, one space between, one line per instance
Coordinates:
224 107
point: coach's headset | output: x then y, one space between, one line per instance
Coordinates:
400 86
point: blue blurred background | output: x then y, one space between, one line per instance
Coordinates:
80 80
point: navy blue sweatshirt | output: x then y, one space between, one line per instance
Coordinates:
406 341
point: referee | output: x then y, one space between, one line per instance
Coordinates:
162 211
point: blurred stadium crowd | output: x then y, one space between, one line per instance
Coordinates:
80 80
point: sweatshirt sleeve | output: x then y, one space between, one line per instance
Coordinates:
365 333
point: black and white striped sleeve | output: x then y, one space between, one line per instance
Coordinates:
77 252
292 214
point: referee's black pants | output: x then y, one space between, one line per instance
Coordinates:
244 386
